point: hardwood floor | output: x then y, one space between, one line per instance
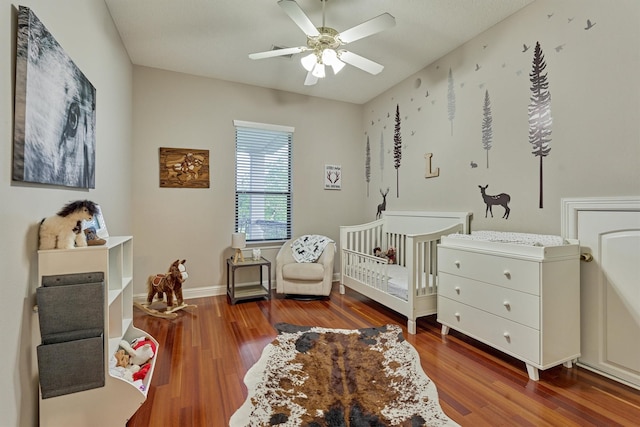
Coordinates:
205 353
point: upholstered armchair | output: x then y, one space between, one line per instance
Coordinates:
304 278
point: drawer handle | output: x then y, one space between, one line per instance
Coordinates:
507 337
457 289
507 274
507 305
457 263
586 257
457 315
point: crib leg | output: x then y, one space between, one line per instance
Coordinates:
342 289
445 330
411 326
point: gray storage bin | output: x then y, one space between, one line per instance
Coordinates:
70 308
71 317
72 366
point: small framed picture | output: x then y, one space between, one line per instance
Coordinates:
332 177
98 223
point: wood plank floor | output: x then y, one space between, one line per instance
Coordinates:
205 353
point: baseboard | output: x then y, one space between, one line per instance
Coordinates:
189 293
210 291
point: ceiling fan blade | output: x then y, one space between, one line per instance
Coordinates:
310 80
367 28
292 9
360 62
278 52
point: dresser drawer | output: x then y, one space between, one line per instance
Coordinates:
518 274
517 306
510 337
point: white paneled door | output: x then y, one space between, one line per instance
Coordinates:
610 286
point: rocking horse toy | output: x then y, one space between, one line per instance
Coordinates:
169 285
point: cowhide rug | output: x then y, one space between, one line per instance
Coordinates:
312 376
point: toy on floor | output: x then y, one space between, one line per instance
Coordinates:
169 285
64 230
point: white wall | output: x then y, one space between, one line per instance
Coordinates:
183 111
595 106
85 30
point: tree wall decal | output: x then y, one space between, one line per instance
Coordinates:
381 157
487 125
451 97
367 164
397 149
539 112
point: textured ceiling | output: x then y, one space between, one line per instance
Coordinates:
212 38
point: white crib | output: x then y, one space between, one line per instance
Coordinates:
409 286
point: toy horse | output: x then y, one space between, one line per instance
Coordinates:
64 230
169 284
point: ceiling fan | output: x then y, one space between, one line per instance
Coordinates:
325 43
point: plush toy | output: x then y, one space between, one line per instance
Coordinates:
92 237
142 372
391 255
122 358
63 230
125 372
141 354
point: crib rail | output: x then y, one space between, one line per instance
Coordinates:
363 238
415 251
367 269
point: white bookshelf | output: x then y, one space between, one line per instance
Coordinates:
116 402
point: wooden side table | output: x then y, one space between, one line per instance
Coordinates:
238 293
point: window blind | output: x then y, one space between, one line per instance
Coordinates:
263 181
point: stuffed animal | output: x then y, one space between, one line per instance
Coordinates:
64 230
125 372
142 372
122 358
391 255
139 342
141 354
92 237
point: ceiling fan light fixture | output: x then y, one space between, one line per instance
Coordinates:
337 66
329 56
309 61
318 71
324 43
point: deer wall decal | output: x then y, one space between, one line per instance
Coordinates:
382 206
501 199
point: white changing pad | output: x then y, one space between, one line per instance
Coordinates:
515 238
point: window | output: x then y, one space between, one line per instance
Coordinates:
263 181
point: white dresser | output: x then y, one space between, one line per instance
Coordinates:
521 299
